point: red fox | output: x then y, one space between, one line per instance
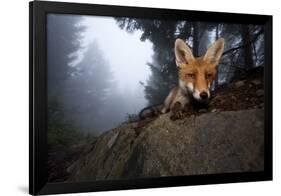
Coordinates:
196 75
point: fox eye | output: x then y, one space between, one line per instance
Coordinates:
190 75
209 75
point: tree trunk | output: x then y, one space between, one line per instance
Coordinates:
196 39
217 75
248 55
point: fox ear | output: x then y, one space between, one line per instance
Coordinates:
183 53
214 52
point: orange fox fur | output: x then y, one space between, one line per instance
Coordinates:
196 75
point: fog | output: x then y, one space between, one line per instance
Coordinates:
102 70
126 54
121 56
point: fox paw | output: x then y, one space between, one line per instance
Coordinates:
177 112
177 115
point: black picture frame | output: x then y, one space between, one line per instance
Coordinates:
38 97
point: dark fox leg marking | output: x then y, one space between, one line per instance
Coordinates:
177 111
150 112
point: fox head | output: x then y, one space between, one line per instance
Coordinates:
196 74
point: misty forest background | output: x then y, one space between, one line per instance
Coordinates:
83 100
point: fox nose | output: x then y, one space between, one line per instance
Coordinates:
204 95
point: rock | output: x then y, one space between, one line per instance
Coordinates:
260 92
202 110
220 142
239 83
214 110
256 82
112 140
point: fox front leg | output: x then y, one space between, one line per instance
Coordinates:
169 100
177 111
